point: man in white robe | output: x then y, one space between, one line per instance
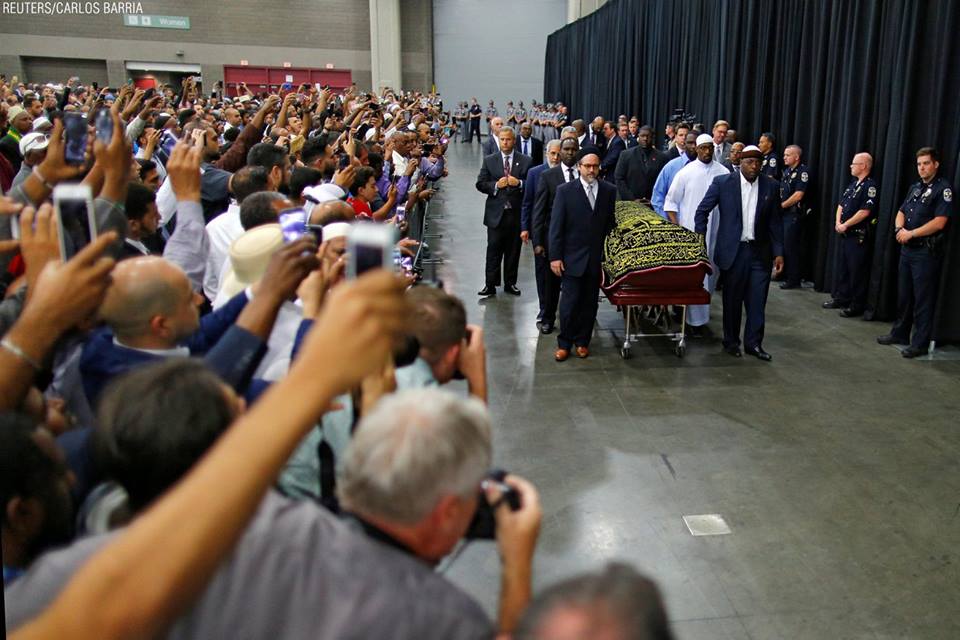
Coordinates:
686 191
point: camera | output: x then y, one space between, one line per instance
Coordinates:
484 523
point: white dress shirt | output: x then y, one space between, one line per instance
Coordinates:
139 246
748 202
221 231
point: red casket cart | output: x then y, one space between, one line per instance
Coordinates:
648 294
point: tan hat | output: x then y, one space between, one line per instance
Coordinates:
249 256
14 111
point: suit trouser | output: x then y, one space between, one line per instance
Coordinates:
548 289
503 246
851 289
475 129
791 245
745 285
917 280
578 309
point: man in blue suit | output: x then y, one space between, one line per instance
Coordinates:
749 241
581 218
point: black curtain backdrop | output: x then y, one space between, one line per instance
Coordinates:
833 76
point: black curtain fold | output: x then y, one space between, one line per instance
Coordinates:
833 76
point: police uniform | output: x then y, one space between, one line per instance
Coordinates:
851 287
491 114
919 270
458 120
473 116
509 119
521 116
793 180
770 167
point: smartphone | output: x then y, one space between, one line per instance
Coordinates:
103 123
401 214
76 222
369 246
317 231
169 142
75 126
149 93
293 223
343 162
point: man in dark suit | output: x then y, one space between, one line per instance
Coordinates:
615 146
674 150
749 241
502 175
550 179
530 146
541 267
582 217
638 168
490 144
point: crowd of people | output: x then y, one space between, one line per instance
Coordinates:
207 426
747 201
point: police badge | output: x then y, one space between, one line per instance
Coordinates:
804 177
872 192
947 195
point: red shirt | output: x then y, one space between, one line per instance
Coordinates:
362 208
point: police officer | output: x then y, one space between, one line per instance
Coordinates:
793 187
511 114
520 115
459 117
491 113
852 223
768 147
473 118
919 229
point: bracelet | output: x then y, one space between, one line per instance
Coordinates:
43 181
7 344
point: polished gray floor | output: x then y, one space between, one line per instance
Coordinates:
835 466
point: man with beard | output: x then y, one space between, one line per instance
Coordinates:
686 192
638 167
34 491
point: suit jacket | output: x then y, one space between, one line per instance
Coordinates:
530 196
543 205
576 231
724 193
490 145
608 163
637 171
536 149
724 151
490 172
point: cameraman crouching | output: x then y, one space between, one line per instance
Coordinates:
449 347
412 480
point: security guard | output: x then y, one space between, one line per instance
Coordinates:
768 147
919 229
491 113
853 222
793 188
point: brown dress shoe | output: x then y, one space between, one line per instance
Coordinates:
561 355
582 352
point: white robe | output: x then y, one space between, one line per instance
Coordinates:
685 194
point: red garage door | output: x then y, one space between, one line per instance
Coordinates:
271 79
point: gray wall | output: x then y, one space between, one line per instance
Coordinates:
493 49
306 33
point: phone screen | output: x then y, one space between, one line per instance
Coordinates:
344 161
293 223
169 142
104 126
76 138
74 225
368 257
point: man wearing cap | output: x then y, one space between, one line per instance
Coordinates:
793 186
21 123
749 243
582 217
680 205
491 114
33 148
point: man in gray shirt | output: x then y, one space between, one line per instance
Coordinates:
411 480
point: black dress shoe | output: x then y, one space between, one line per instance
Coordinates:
734 351
834 304
913 352
511 289
546 329
759 353
890 339
787 285
487 291
851 312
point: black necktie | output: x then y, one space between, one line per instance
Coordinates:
570 170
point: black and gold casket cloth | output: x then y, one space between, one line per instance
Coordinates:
644 240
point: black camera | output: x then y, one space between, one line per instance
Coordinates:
484 523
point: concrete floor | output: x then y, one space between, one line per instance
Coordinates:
835 466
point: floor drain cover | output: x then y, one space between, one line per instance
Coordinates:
710 524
